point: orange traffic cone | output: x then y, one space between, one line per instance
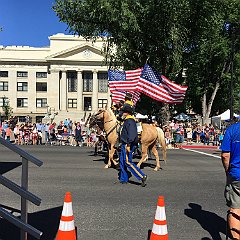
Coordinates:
66 229
159 230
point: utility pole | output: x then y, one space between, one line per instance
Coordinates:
234 31
232 72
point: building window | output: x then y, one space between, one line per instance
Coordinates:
41 74
102 81
22 74
87 81
3 73
41 102
72 81
21 118
3 101
39 119
102 103
22 102
41 87
87 104
72 103
22 86
3 86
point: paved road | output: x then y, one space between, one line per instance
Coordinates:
191 183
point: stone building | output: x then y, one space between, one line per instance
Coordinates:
67 79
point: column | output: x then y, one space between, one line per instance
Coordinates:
53 89
79 90
95 91
32 95
63 90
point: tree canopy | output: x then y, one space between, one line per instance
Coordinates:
174 36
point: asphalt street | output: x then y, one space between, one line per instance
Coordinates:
191 183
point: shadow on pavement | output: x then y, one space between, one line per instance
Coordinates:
209 221
8 166
149 165
149 234
46 221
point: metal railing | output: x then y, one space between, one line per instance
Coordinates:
23 192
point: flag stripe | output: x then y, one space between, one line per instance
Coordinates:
174 86
157 92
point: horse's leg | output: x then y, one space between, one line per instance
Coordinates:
110 157
155 152
144 155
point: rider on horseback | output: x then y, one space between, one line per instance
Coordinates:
128 102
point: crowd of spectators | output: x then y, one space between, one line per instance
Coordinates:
66 132
72 133
177 133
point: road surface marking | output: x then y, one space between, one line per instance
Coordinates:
202 153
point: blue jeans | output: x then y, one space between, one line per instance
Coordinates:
46 137
126 163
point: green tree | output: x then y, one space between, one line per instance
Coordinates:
7 109
172 35
208 60
153 31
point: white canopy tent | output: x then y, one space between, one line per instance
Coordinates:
216 120
140 116
225 115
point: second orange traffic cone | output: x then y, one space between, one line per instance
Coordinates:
66 229
159 230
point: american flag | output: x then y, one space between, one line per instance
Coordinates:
158 87
121 82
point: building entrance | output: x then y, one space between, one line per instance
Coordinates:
87 104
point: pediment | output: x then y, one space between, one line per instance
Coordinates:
81 52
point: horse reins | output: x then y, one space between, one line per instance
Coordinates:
106 131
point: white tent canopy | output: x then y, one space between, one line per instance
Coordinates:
225 115
140 116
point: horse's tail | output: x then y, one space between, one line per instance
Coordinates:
161 140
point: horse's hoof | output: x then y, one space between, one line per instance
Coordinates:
107 166
156 169
117 166
138 165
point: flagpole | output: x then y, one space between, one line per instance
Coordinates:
147 60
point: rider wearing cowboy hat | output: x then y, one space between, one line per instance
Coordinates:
129 140
128 102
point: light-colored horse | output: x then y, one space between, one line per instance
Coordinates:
151 134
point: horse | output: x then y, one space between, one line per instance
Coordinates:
151 134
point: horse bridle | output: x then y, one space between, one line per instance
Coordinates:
95 119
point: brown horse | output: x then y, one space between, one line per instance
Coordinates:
107 121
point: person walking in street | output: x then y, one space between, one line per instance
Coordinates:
78 135
231 162
129 140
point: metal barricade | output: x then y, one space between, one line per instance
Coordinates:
23 192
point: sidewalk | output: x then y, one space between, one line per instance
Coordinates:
199 146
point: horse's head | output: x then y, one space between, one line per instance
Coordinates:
97 118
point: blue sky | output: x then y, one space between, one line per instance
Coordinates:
28 22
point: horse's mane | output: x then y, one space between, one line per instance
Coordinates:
111 114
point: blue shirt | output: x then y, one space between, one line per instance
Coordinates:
231 143
129 133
